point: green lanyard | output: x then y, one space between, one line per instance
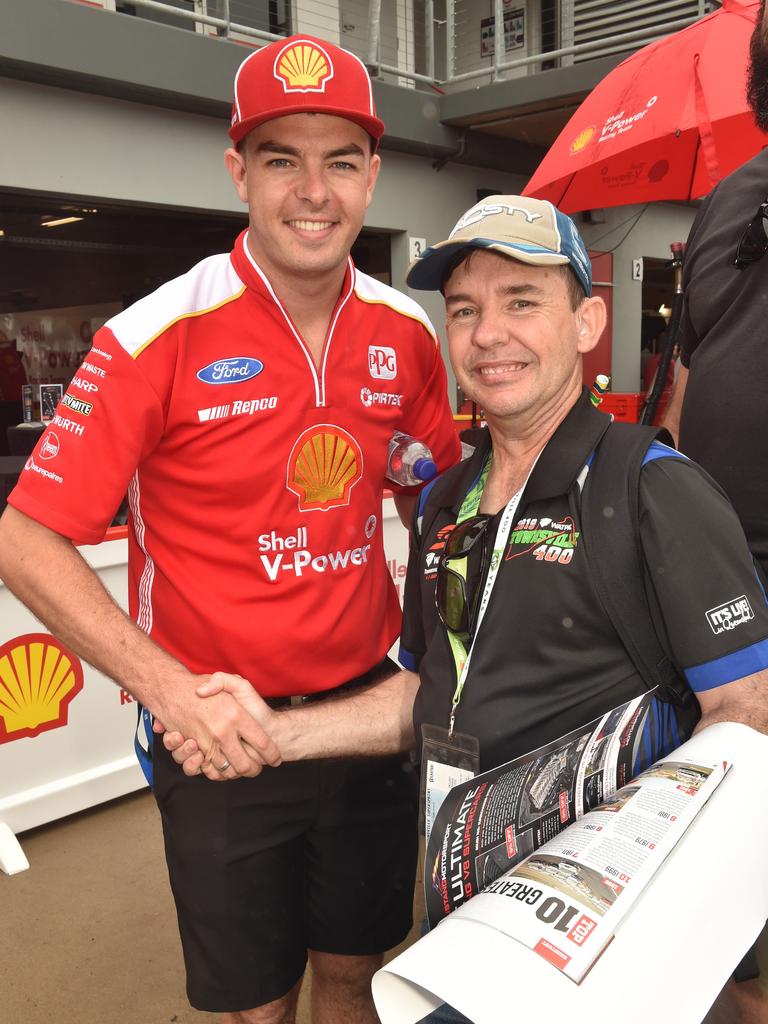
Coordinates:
468 509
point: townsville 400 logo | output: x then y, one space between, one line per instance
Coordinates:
546 539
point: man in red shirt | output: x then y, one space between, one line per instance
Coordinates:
246 407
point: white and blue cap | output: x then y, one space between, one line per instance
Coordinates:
529 230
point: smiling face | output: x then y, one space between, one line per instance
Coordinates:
307 180
514 339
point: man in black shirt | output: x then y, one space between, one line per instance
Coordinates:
718 410
719 402
518 649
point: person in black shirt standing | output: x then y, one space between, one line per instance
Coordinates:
505 638
718 412
719 405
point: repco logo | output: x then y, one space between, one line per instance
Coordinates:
382 362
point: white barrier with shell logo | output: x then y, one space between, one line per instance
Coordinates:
66 732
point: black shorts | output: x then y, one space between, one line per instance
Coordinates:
311 855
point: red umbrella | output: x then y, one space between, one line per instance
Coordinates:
668 123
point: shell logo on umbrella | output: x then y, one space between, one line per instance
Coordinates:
303 67
583 139
39 678
325 464
669 122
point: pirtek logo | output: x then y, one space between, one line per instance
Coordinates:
730 615
369 398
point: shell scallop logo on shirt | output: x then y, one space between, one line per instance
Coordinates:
39 678
325 464
582 139
303 67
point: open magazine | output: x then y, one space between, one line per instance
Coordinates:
553 848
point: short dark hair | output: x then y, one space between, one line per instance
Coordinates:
576 293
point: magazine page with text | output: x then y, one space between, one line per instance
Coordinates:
610 913
489 823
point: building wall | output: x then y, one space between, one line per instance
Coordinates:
396 34
469 14
659 226
399 205
94 147
73 143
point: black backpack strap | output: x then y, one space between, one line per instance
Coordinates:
611 537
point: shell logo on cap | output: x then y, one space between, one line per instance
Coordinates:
582 139
324 466
39 678
303 67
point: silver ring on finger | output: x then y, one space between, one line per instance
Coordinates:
222 767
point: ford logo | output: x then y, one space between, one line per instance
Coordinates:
230 371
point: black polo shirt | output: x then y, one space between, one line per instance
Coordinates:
546 658
724 332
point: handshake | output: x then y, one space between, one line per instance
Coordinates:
230 733
225 730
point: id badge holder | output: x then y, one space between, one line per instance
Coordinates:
446 761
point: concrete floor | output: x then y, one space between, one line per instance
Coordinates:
88 934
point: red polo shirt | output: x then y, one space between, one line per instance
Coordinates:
255 479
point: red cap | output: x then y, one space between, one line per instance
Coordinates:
302 75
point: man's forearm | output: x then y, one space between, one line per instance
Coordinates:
48 574
744 700
374 721
744 714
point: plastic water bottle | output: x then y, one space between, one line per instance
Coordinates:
410 461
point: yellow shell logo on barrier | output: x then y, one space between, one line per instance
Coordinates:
324 466
38 679
582 139
303 67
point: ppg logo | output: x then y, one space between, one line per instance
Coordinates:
382 362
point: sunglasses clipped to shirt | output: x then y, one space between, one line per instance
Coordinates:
458 589
753 244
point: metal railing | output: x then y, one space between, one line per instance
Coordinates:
446 43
